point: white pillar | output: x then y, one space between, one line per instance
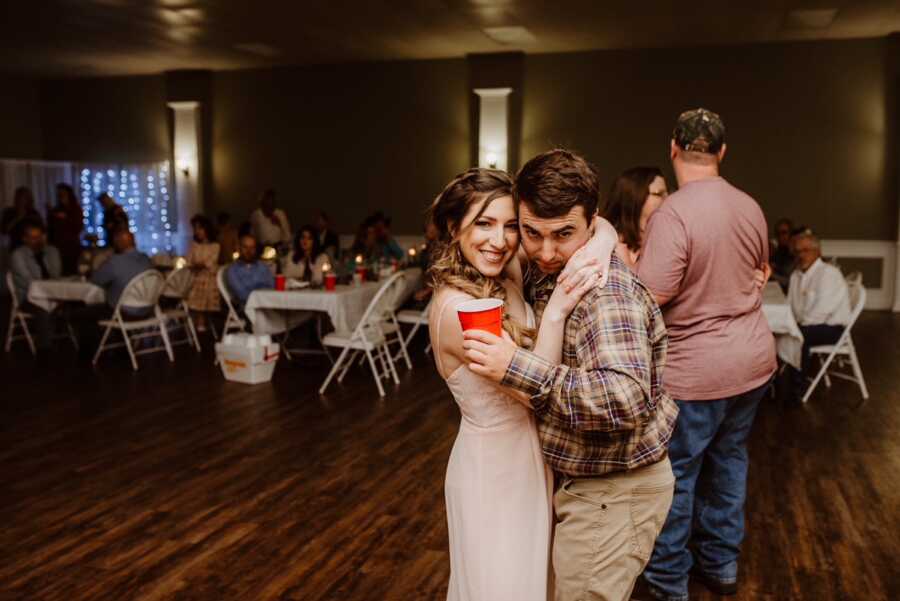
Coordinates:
188 180
493 137
896 274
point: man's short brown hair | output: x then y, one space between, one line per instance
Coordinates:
554 182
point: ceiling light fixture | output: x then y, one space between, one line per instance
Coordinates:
810 18
258 49
510 36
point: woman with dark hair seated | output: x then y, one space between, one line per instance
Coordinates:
306 260
634 196
203 260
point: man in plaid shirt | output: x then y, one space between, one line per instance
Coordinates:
603 416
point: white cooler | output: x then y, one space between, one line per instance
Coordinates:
247 358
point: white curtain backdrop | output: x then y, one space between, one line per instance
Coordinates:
143 190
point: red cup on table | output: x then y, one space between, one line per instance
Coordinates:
279 282
330 282
361 270
481 314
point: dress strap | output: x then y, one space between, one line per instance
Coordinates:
437 328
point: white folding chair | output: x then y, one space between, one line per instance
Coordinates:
391 326
416 319
178 287
367 339
233 321
17 319
143 290
843 349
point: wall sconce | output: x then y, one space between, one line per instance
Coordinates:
493 137
184 165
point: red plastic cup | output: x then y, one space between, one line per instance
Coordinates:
330 282
279 282
481 314
361 270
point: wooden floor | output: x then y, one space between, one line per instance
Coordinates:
172 484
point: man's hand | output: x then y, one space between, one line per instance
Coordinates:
488 355
761 276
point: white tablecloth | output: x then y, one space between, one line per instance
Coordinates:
788 338
275 311
47 294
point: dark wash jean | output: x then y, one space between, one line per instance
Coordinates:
709 458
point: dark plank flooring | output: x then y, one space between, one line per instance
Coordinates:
173 484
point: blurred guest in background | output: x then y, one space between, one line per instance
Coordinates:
422 296
366 242
270 224
820 301
388 246
114 216
227 237
248 273
306 260
14 218
203 260
783 258
113 275
34 260
119 269
634 196
65 223
329 242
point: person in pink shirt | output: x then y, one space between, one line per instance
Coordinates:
698 258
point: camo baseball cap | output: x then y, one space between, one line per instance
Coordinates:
699 130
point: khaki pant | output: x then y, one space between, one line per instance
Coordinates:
605 531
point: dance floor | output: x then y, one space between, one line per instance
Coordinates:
170 483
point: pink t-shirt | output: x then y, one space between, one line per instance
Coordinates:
701 247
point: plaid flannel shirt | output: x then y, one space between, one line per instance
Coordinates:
604 409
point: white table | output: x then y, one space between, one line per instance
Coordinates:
788 338
47 294
276 311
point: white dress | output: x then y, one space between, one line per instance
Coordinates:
498 492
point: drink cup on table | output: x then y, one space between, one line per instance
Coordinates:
279 282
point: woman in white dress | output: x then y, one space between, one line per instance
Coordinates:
498 490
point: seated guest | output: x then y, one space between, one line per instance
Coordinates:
15 218
64 225
388 246
329 241
114 216
306 261
634 196
228 238
432 235
119 269
35 260
422 296
248 273
783 255
270 224
366 242
203 260
820 301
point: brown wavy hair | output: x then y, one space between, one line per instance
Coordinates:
450 267
626 200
